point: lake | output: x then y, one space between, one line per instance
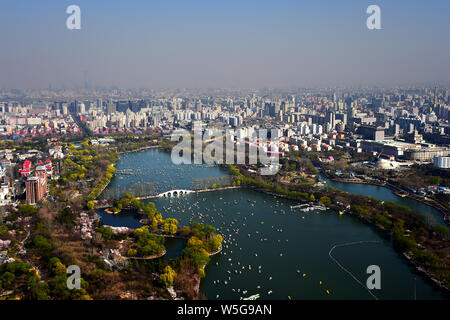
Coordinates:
269 248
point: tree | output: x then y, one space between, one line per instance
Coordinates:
147 243
42 244
106 232
151 248
209 230
27 210
197 255
325 200
66 217
58 287
168 276
384 221
196 252
360 210
214 243
170 225
155 222
131 252
18 267
149 210
8 280
195 242
140 231
91 205
40 291
185 231
57 267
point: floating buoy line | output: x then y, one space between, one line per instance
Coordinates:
347 271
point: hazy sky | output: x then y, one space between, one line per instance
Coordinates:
223 43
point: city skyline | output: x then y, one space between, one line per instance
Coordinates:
202 45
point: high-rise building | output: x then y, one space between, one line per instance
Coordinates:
442 162
64 109
31 186
331 119
273 109
122 106
81 108
371 132
435 98
36 187
110 108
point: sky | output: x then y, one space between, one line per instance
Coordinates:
218 43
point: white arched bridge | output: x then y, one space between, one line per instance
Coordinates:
167 194
181 192
174 193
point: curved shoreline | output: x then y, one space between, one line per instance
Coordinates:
156 256
431 203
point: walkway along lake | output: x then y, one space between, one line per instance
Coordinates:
270 248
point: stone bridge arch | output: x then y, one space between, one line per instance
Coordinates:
174 193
